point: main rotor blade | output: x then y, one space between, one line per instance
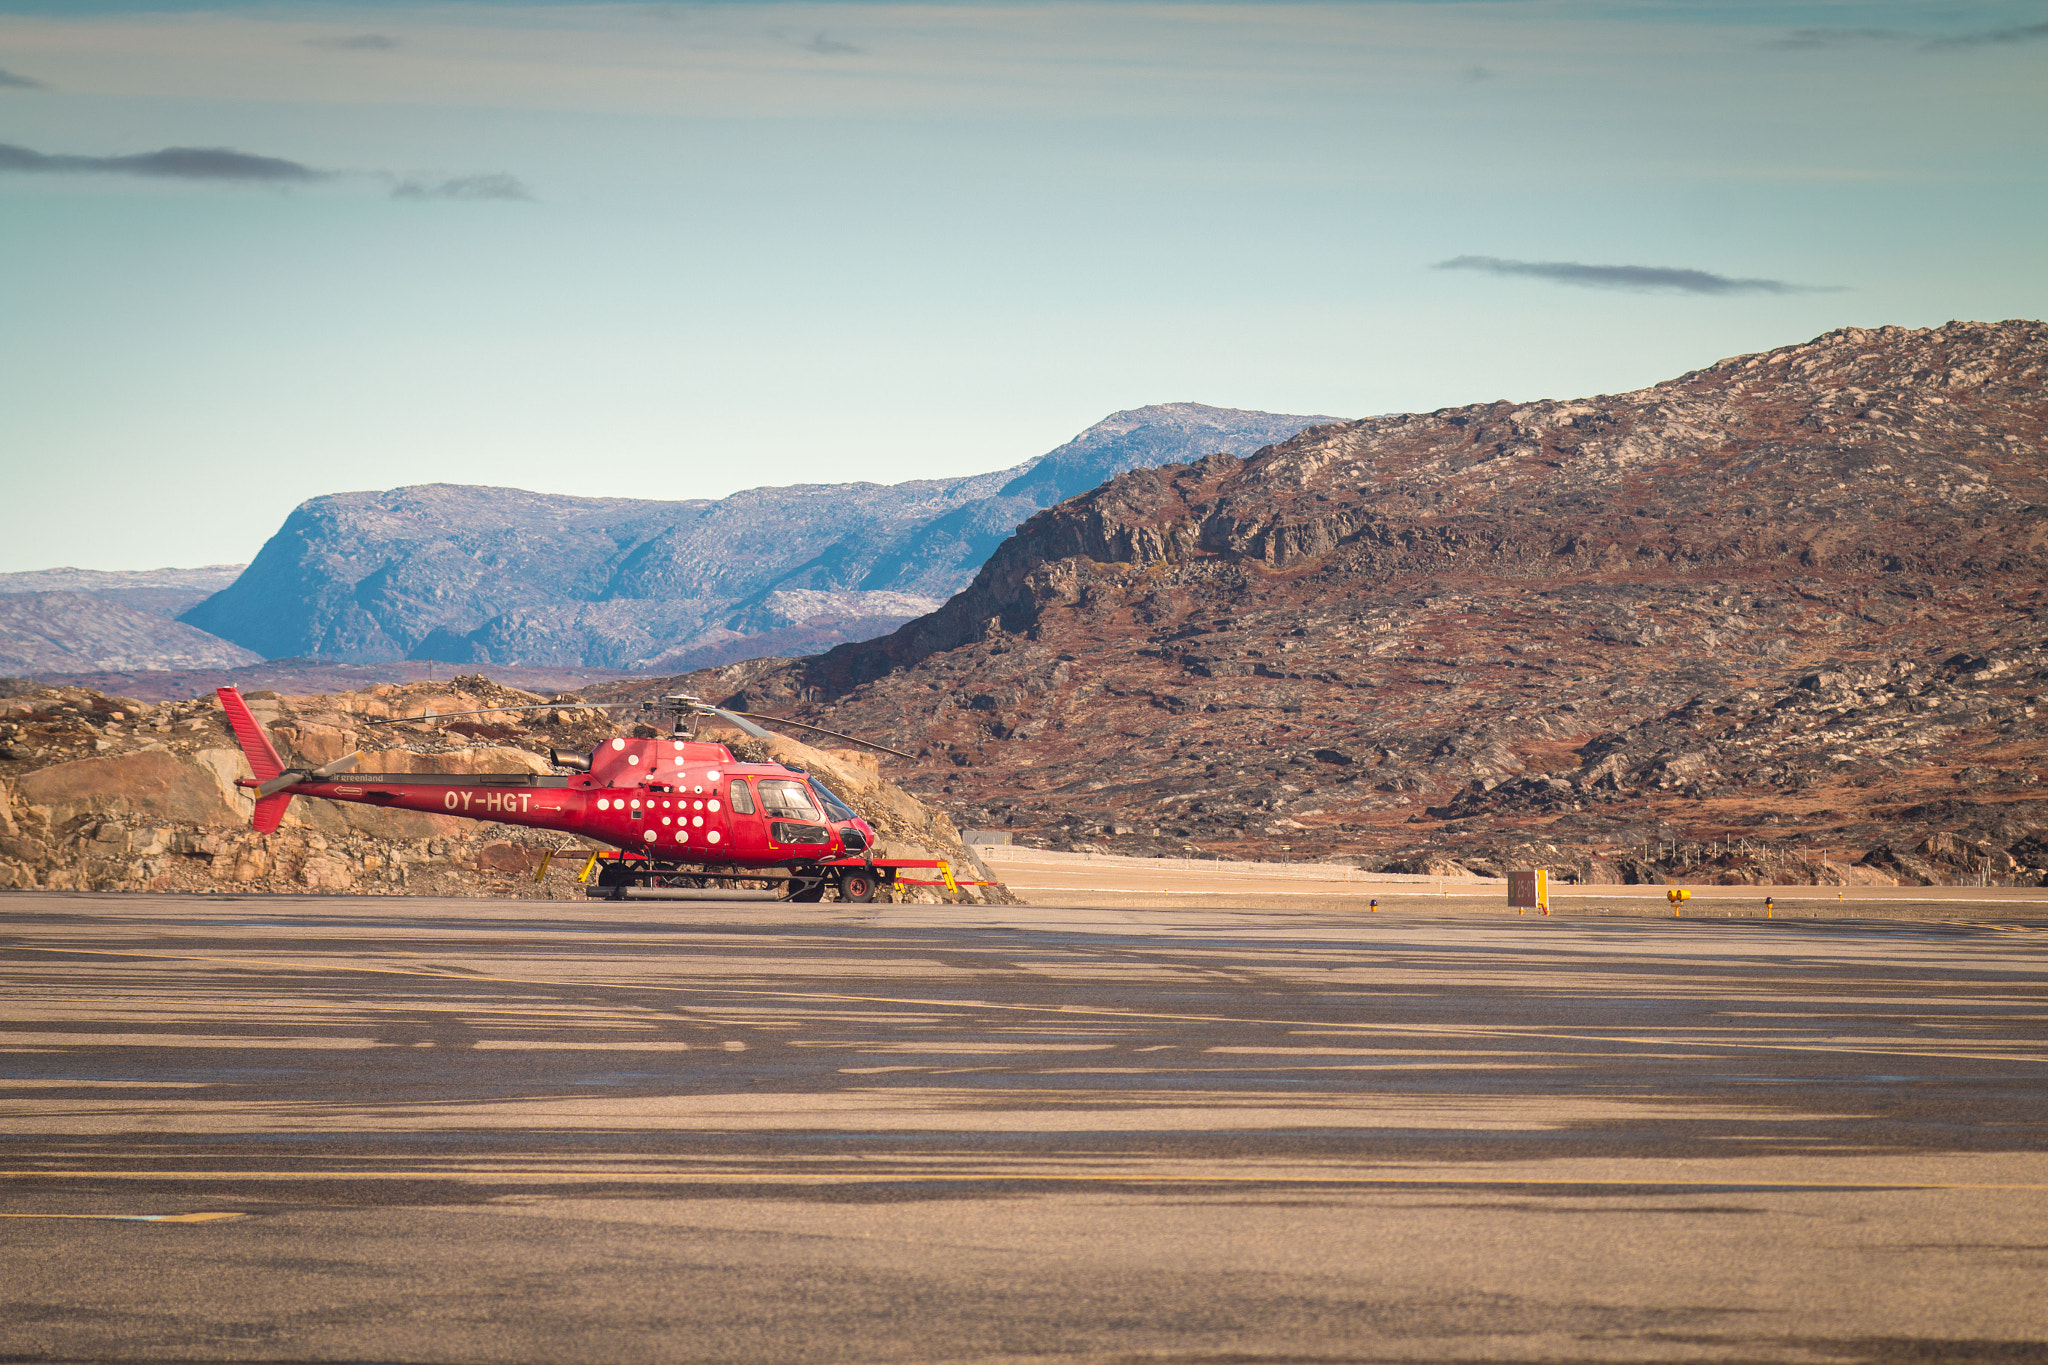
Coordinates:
537 706
850 739
346 763
746 726
703 708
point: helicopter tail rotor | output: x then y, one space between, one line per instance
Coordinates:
269 776
292 776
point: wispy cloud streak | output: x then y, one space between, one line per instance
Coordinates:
1805 38
10 81
357 42
463 187
172 163
823 45
227 165
1810 38
1639 278
2024 33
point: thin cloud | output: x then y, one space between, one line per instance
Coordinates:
360 42
172 163
1475 74
1807 38
1639 278
225 164
472 187
10 81
2025 33
827 46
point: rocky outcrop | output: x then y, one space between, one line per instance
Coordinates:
1758 620
474 575
102 793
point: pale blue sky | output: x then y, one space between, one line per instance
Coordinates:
776 243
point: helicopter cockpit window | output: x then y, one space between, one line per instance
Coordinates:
838 809
783 798
742 798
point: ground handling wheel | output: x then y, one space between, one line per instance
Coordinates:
806 884
857 885
616 875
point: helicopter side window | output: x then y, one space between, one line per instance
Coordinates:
784 799
742 797
839 809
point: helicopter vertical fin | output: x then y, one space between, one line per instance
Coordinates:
270 813
264 763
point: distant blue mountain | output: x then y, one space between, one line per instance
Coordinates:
499 575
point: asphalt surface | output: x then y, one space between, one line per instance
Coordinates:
431 1130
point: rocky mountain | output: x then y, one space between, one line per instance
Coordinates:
941 556
62 620
500 575
1781 617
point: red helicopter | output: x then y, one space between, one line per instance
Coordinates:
691 822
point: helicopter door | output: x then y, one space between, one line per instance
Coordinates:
749 831
795 823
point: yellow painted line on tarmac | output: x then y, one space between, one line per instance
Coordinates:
1087 1011
1047 1178
135 1217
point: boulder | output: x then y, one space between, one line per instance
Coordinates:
515 860
1430 865
323 872
1905 869
148 783
317 744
